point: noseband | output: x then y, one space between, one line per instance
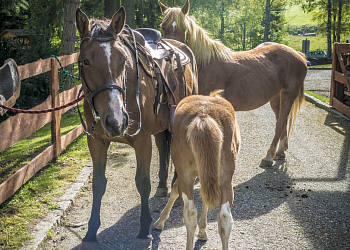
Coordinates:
90 95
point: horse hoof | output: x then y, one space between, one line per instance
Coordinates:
143 244
161 192
265 164
202 235
158 225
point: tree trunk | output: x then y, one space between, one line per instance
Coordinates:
129 6
267 21
222 31
110 8
329 23
244 35
334 21
68 36
340 6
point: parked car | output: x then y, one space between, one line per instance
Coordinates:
316 54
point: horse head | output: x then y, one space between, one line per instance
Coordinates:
174 24
102 63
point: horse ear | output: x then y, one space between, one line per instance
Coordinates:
163 8
186 8
118 21
83 23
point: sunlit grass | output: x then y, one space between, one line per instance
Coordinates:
321 98
296 16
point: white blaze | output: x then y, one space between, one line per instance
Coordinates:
115 102
174 25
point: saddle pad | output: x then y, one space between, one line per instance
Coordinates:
10 84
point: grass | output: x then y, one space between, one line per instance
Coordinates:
320 66
321 98
296 16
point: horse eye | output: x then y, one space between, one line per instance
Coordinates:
86 62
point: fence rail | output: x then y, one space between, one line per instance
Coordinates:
340 81
18 127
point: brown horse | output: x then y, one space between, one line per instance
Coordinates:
206 141
271 72
119 106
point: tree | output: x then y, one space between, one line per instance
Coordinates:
222 31
129 6
267 21
68 35
329 11
110 7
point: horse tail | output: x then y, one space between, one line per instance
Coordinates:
298 102
206 138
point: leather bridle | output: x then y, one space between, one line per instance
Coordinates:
91 94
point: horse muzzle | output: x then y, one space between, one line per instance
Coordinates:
115 127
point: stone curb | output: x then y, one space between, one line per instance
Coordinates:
53 218
325 106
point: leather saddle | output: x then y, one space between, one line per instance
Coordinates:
150 40
159 59
10 84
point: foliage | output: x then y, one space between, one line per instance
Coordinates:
12 13
93 8
318 8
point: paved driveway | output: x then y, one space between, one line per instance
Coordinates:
303 203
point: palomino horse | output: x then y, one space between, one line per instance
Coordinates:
206 142
119 105
271 72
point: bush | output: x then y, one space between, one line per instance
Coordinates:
299 29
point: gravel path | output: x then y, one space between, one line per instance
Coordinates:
303 203
319 82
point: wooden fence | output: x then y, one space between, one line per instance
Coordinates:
18 127
340 81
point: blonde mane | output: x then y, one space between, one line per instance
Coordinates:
204 48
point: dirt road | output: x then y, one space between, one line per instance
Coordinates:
303 203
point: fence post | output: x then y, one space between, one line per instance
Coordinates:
56 116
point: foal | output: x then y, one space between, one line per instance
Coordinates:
206 140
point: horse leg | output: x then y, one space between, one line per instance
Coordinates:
164 215
283 142
202 224
163 140
98 151
143 151
285 107
224 217
189 215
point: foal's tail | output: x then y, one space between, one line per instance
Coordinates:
206 138
298 102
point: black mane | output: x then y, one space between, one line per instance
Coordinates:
100 28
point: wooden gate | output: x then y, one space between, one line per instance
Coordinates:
340 82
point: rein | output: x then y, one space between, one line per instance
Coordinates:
90 95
